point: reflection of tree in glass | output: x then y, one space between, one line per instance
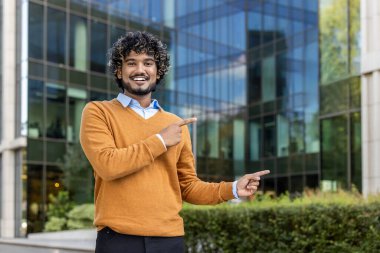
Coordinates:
78 175
339 40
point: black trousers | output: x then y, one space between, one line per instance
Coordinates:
109 241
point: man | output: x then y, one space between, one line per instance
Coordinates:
142 158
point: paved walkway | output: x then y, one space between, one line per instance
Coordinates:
79 241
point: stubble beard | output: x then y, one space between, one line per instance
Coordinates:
139 91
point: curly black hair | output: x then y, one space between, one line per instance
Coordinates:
140 42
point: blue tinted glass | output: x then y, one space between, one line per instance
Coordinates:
155 10
137 8
269 28
236 25
56 36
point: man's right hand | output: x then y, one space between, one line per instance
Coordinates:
172 134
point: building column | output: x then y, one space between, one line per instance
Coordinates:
370 108
8 107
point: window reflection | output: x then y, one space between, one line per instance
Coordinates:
77 100
98 46
334 153
55 118
282 135
356 151
78 42
35 205
56 36
238 147
268 79
255 139
297 126
54 182
35 108
269 131
333 40
35 37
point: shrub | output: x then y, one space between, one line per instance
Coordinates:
81 216
310 224
57 211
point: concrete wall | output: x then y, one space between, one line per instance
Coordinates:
370 70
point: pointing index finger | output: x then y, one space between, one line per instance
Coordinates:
258 174
186 121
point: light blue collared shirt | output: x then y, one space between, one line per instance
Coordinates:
146 113
150 111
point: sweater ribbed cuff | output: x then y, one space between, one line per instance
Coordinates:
226 191
155 146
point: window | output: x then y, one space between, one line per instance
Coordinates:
77 101
55 117
35 36
269 137
35 109
268 79
56 35
334 153
35 202
98 47
78 42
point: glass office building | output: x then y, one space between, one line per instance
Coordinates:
275 85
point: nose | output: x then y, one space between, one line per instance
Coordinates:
140 68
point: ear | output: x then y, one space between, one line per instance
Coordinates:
118 74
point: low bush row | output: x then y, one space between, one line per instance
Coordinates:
309 227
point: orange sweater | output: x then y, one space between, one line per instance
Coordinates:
139 185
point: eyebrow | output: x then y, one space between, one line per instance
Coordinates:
146 59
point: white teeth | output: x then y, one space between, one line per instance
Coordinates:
139 79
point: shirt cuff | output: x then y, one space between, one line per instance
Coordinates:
234 190
162 140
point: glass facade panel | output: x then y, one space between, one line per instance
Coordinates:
356 151
36 24
54 182
78 42
56 112
269 131
56 35
334 40
98 50
354 33
334 97
268 79
35 150
77 100
255 140
35 109
55 150
334 153
35 199
282 136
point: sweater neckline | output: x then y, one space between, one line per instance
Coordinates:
136 115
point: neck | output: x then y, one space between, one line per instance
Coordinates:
144 101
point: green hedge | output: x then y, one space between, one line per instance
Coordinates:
312 227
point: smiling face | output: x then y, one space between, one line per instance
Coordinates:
138 74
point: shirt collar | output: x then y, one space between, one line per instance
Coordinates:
128 101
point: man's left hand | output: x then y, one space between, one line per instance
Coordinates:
248 184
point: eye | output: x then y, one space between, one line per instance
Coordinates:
149 63
130 63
